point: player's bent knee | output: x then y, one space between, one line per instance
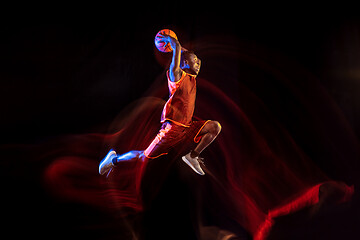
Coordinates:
216 126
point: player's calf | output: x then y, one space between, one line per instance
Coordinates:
208 134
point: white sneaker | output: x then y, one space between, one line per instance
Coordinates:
193 163
106 164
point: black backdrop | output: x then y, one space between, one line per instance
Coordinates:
73 78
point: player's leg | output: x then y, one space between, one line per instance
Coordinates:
112 159
208 134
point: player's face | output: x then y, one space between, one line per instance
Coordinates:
194 64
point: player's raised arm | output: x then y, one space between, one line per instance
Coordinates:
175 72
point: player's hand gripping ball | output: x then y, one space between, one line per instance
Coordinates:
161 43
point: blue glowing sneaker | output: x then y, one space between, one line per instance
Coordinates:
194 163
107 163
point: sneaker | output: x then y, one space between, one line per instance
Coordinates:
107 164
194 163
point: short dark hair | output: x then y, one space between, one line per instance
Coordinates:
185 55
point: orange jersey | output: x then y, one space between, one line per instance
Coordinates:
179 109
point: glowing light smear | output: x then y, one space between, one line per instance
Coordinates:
255 167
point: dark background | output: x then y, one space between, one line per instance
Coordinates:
74 77
81 68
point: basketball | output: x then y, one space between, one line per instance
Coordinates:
162 45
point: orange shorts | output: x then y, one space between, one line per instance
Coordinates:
171 135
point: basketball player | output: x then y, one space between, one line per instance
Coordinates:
176 119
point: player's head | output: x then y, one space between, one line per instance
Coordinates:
190 62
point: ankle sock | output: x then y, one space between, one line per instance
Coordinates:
194 154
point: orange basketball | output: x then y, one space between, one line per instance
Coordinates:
162 45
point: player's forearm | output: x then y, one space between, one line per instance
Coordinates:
174 70
175 45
